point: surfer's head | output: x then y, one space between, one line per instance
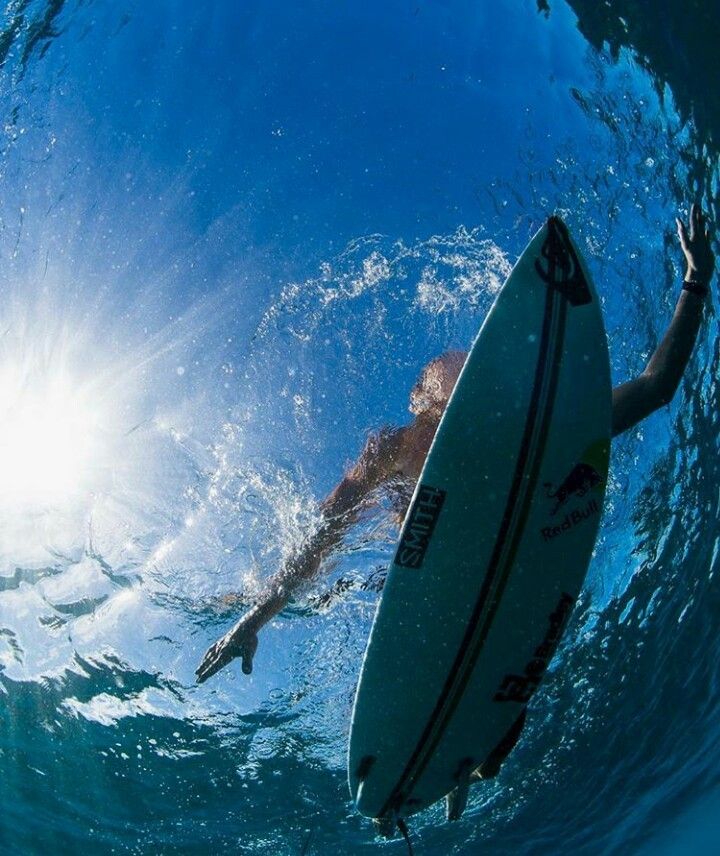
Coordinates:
436 383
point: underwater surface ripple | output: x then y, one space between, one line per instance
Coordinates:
232 237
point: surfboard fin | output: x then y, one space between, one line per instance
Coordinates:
456 800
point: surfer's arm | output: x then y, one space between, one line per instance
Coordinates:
656 386
339 510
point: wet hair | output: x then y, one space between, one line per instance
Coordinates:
436 382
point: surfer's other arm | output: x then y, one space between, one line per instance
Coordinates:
339 511
656 386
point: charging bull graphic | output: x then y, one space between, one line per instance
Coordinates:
588 473
580 480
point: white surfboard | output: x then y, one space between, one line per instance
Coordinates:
496 543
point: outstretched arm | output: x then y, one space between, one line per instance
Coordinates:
656 386
339 510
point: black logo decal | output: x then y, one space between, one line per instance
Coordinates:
562 268
578 482
419 526
570 520
520 687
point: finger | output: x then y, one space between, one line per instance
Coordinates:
210 669
204 670
682 233
212 662
693 221
202 673
247 664
700 226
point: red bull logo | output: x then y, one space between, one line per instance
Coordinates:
582 478
571 520
587 475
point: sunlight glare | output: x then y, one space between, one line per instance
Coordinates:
49 438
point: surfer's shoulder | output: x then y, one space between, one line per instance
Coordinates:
379 457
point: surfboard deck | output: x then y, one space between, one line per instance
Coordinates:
496 543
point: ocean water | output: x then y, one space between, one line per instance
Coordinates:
231 234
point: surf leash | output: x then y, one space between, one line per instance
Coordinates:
405 832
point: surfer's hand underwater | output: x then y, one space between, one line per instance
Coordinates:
695 243
240 641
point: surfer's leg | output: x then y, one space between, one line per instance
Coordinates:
490 767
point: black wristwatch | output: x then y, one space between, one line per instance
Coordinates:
695 287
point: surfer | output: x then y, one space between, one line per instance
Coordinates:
394 455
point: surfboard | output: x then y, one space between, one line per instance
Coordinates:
496 543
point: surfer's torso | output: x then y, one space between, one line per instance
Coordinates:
413 446
401 454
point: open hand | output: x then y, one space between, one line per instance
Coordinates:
240 641
695 243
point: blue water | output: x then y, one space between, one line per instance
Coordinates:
230 236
